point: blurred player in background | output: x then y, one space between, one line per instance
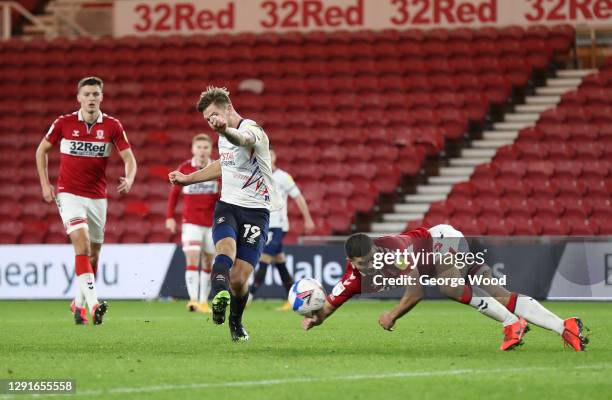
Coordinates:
242 215
199 205
513 310
86 139
279 226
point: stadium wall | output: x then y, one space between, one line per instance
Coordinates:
167 17
554 268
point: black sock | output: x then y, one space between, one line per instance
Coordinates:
285 277
220 274
237 306
260 274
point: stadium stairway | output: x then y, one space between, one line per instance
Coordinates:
459 169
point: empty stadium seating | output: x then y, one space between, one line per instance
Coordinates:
554 180
348 113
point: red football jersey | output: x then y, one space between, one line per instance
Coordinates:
85 151
351 282
199 199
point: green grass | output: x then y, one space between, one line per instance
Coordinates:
440 350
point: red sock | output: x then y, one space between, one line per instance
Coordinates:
466 297
82 265
512 302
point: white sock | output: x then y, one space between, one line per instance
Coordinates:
534 312
79 299
192 282
490 307
87 283
204 286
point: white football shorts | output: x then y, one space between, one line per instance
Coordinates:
197 237
82 212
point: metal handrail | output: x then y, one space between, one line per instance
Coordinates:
6 7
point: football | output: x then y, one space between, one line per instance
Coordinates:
306 296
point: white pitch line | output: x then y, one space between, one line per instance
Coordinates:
270 382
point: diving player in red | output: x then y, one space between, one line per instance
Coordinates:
511 309
86 138
199 206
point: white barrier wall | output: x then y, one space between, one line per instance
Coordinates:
47 271
554 268
166 17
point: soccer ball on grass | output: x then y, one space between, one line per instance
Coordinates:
306 296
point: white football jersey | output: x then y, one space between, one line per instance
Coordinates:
246 172
286 187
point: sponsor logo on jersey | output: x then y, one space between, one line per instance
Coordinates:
227 159
201 188
85 149
221 220
75 132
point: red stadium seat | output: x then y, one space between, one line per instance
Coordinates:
524 226
441 209
497 227
518 207
465 207
317 111
494 208
513 188
581 227
486 171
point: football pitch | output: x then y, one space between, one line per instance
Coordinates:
157 350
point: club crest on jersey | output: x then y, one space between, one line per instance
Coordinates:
75 132
100 134
221 220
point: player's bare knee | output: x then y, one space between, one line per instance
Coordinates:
80 242
191 256
266 258
227 247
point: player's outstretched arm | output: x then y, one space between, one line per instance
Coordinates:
125 183
309 225
413 294
318 317
48 191
211 172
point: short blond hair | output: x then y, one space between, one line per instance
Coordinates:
201 137
217 95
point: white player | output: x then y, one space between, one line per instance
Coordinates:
279 225
248 193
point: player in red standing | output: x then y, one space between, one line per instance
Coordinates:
511 309
199 207
86 138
